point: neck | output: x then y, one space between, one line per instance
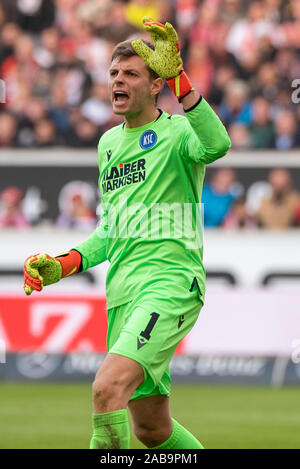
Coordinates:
141 118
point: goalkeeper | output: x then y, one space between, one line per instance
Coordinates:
155 285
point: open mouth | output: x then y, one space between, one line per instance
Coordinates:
120 97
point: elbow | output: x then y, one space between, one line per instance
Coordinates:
218 151
225 146
222 148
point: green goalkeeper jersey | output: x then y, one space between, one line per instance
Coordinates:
151 180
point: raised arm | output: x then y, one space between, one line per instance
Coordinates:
209 139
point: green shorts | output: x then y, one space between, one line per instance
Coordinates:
148 330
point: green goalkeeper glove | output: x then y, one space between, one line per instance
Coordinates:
41 270
165 60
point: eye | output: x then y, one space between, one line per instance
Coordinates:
113 73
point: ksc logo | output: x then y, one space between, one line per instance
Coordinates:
148 139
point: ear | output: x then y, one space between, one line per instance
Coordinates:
156 86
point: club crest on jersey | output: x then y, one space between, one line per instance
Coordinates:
148 139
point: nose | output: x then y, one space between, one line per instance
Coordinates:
119 78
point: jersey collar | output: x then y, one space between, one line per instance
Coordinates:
142 128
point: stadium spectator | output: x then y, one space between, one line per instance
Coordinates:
117 29
47 52
236 52
267 82
42 85
287 64
76 203
8 133
85 134
278 210
239 216
208 25
273 10
58 108
33 113
223 75
34 15
74 80
231 11
185 14
286 131
245 33
2 15
219 195
248 66
45 134
94 12
11 213
199 66
22 61
97 107
239 136
9 35
64 15
261 128
291 28
235 109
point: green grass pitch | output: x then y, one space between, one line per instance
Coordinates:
59 416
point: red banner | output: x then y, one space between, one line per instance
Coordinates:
53 323
57 324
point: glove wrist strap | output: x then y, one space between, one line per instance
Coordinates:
180 85
70 263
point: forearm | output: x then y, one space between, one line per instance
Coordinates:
207 126
190 100
93 249
211 140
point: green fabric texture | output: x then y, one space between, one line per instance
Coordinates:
126 322
180 438
165 60
168 172
209 139
47 269
111 430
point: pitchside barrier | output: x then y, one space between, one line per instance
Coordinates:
43 174
214 369
248 331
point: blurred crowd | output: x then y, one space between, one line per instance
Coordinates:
77 206
242 55
272 204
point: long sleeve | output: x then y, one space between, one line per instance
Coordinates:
93 250
208 140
